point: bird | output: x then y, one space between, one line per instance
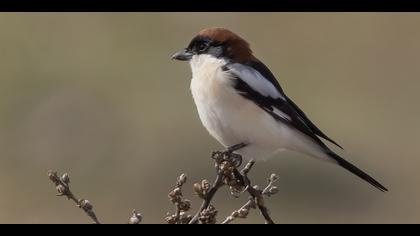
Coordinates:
240 102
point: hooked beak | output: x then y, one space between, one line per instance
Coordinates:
183 55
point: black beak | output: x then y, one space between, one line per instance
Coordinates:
183 55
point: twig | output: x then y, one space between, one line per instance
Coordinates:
241 212
208 197
258 194
181 205
63 188
271 189
256 199
226 162
136 218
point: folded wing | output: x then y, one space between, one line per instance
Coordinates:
255 81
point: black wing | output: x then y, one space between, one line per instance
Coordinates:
268 104
311 125
299 118
296 117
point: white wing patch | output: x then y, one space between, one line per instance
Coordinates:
281 114
255 80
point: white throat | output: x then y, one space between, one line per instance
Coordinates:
204 65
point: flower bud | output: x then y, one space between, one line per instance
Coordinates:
65 178
235 214
136 218
198 190
274 177
182 179
243 213
177 191
52 175
61 189
184 205
85 204
273 190
205 185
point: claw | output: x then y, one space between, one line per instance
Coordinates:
236 159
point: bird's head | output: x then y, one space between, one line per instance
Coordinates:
217 42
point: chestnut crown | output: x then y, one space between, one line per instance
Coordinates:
218 42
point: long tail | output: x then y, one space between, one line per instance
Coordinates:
353 169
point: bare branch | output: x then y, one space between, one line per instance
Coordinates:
208 215
181 204
241 212
258 194
207 195
62 184
227 163
271 189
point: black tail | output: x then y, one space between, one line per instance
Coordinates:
353 169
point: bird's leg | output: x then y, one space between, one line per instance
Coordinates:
229 155
235 158
236 147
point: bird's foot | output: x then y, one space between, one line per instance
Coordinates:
229 155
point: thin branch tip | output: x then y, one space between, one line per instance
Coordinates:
227 174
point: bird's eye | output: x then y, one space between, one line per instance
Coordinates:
202 46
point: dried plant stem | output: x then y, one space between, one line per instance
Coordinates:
227 164
264 213
136 218
177 212
241 212
219 157
209 196
182 205
256 194
63 188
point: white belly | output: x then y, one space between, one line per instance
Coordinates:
232 119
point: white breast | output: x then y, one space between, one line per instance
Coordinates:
209 90
232 119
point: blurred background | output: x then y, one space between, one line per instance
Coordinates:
96 95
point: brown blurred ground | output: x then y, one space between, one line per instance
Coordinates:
98 96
